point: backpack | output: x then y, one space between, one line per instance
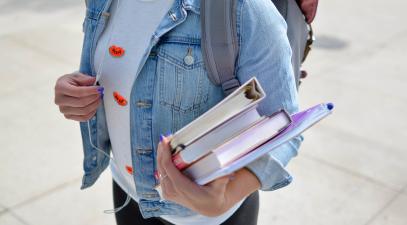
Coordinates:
219 40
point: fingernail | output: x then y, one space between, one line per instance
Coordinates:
101 90
161 137
168 133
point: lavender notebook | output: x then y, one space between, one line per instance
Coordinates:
301 121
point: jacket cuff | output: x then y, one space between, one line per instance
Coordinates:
269 169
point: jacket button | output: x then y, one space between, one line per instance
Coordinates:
143 104
189 60
150 195
173 16
152 209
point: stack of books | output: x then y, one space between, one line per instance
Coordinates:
232 134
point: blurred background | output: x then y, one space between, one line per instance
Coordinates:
352 167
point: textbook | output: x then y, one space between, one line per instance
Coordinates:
243 99
262 131
301 121
216 137
232 134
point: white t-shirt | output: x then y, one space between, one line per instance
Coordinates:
130 28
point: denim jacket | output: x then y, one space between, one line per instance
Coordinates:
169 92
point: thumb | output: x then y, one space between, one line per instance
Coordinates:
83 80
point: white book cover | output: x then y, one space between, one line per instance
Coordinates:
240 145
213 139
301 121
246 96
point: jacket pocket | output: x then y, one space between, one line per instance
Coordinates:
183 81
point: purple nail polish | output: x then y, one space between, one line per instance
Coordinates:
161 137
168 134
101 90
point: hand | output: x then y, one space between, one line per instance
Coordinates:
208 200
76 96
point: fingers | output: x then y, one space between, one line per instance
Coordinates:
83 118
77 91
76 85
168 190
81 111
76 99
68 101
83 80
161 172
183 183
180 189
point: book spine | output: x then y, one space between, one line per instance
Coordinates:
179 161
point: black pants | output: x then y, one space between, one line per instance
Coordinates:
130 215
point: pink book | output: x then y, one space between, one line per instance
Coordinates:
212 140
241 144
301 121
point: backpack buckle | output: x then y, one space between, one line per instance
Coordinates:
310 41
230 85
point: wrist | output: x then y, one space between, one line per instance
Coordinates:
216 205
242 185
256 184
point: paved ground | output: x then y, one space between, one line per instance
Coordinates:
351 170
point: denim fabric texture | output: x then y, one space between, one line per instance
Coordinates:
169 91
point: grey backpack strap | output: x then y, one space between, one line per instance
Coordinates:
219 42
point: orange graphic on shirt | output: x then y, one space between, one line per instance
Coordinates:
129 170
116 51
119 99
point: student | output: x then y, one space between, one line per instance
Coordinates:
151 80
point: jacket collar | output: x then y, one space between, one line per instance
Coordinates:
193 5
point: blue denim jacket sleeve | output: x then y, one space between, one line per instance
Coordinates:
265 53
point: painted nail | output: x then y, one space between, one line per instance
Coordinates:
156 175
169 133
101 90
161 137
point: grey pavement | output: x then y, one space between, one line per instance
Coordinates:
351 168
